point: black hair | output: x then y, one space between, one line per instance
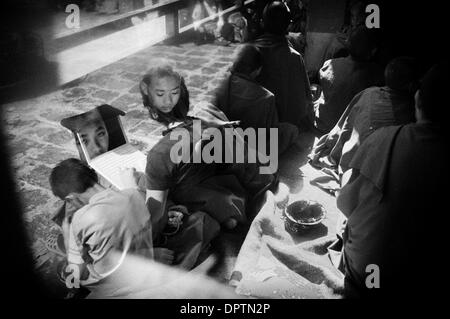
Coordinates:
276 18
249 59
432 93
402 73
361 43
179 112
110 116
71 176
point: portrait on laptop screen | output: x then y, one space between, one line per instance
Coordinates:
98 129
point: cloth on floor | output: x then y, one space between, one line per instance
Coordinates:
272 263
220 189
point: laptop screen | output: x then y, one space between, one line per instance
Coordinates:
108 164
99 136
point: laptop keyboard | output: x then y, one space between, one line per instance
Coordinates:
124 156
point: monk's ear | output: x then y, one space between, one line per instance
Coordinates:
143 87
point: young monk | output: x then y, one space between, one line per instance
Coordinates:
338 47
283 71
393 197
109 223
242 98
98 128
221 190
342 78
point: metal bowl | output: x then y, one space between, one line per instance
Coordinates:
303 215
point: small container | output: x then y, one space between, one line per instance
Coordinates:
302 216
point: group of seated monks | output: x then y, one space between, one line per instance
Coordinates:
382 137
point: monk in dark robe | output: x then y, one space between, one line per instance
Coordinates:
222 190
242 99
283 71
342 78
392 196
369 110
338 46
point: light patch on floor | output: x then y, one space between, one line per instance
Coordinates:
78 61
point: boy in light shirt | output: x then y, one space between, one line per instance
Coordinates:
109 225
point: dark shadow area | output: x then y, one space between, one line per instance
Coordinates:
307 235
26 70
17 266
25 73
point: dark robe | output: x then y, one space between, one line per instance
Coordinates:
340 80
221 190
254 106
283 73
393 202
369 110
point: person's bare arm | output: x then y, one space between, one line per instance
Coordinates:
155 199
156 202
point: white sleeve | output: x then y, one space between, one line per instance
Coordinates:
74 254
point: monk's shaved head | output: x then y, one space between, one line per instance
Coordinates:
401 73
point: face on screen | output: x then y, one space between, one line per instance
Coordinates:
95 137
164 93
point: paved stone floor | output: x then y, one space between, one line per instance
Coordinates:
37 141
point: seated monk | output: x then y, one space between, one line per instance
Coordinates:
283 71
341 79
107 222
369 110
243 99
338 46
222 190
392 198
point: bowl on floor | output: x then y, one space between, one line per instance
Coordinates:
303 215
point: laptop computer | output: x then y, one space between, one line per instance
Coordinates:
107 165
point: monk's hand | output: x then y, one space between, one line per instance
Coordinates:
128 176
163 255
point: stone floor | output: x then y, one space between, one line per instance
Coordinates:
37 141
